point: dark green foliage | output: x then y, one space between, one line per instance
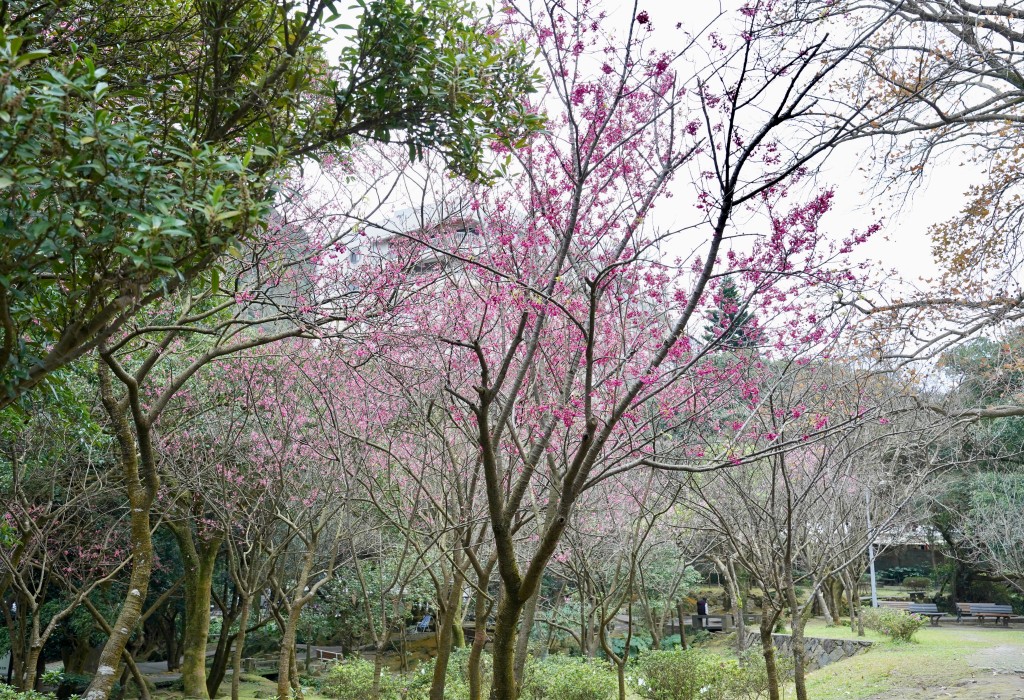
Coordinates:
730 324
896 574
917 583
637 645
102 209
74 684
148 138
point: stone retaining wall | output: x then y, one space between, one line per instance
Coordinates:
820 652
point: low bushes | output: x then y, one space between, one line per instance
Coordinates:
898 625
917 583
8 692
456 681
693 674
696 674
750 682
684 675
569 678
353 680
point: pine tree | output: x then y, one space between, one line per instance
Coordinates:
730 324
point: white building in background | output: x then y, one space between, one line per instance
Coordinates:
441 231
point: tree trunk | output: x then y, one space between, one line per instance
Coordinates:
28 681
239 646
826 611
135 454
103 682
221 661
797 637
225 641
75 656
768 651
458 633
860 619
739 607
198 563
620 662
16 635
852 601
294 675
682 624
446 635
476 652
732 589
284 664
523 643
835 601
503 650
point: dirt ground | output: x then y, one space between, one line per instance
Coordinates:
998 672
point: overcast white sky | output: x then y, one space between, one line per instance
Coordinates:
903 244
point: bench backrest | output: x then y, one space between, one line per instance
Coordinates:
990 609
896 604
923 608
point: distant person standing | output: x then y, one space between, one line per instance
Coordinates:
702 612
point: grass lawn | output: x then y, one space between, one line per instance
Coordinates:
949 656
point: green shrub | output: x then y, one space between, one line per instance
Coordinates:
456 681
265 640
896 574
898 625
568 678
352 679
693 674
917 583
673 641
751 679
216 626
8 692
992 592
696 637
637 645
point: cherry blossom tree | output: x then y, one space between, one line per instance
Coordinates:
561 333
62 538
792 518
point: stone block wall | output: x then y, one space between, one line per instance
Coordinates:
820 651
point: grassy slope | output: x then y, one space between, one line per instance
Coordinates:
939 657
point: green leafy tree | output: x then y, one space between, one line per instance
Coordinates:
142 140
976 506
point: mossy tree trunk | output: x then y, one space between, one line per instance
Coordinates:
199 560
136 461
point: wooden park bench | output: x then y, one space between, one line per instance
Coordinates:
929 610
996 612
